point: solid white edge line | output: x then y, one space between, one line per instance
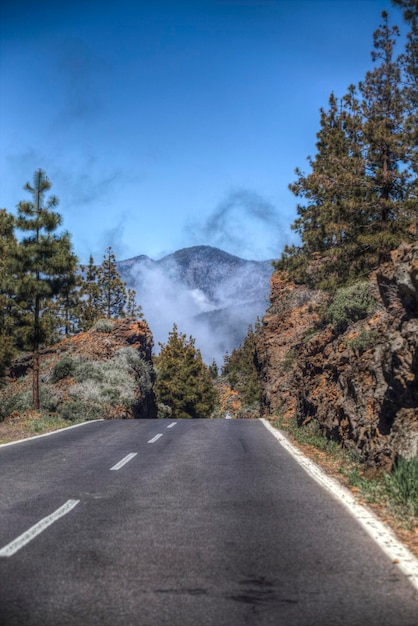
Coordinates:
36 529
382 535
52 432
123 461
172 424
154 439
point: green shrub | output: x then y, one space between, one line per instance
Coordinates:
402 483
46 423
79 410
288 360
21 401
112 383
364 340
50 398
130 359
63 369
311 332
349 305
100 387
164 411
89 370
104 326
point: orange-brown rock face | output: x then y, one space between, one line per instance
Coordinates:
360 385
101 346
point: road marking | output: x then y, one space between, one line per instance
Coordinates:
35 530
123 461
382 535
172 424
154 439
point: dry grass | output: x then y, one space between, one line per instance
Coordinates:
29 423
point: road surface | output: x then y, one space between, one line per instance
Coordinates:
182 523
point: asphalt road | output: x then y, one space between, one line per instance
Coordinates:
211 523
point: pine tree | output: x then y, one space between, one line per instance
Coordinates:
240 369
67 304
409 63
184 383
332 193
213 369
43 261
90 305
8 311
112 289
104 293
360 197
385 219
133 309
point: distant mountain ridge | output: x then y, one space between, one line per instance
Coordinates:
207 292
206 268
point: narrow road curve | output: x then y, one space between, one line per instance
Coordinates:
183 523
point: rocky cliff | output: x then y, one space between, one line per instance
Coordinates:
359 381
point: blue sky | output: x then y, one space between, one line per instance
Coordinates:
168 124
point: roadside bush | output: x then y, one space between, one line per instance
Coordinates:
104 326
87 391
402 483
89 370
101 388
63 369
349 305
50 398
79 410
22 401
164 411
19 402
114 383
130 359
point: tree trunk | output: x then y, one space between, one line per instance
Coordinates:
35 388
35 380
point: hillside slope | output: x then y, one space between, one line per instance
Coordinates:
105 372
359 383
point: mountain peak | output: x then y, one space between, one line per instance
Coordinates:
207 292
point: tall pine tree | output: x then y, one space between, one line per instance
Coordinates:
409 62
44 259
90 305
103 293
112 289
332 193
8 310
385 218
359 200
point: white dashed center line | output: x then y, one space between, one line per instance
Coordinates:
23 539
154 439
35 530
123 461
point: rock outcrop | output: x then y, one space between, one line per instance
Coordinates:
361 383
95 346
